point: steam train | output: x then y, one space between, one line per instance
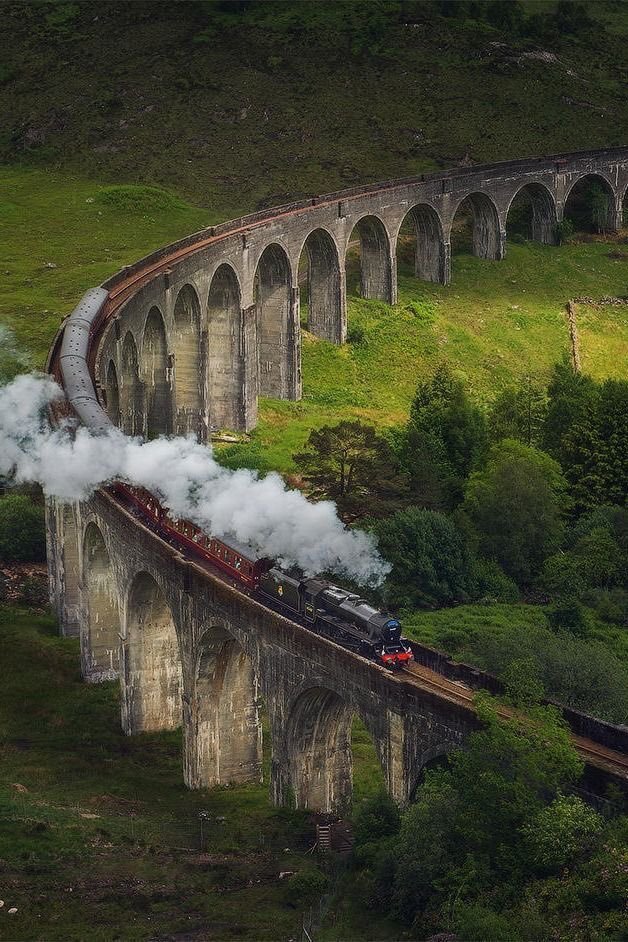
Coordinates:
321 606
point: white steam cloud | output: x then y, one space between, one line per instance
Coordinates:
261 511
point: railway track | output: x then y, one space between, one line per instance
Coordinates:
463 695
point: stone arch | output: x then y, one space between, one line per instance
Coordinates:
223 731
318 743
70 561
432 758
131 389
151 679
323 284
535 206
486 235
100 640
225 362
276 327
590 203
375 277
188 367
112 393
422 231
155 373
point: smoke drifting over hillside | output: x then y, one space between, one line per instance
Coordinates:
261 511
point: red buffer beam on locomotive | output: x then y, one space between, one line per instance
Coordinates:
321 606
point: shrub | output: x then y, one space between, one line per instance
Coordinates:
563 231
355 334
306 886
135 199
22 534
491 582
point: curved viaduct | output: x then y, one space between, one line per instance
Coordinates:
185 340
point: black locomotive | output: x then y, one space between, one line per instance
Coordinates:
338 614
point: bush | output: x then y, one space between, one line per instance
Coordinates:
568 614
355 334
22 533
305 887
491 582
563 231
135 199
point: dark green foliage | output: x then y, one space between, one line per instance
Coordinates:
430 561
576 672
571 397
561 832
355 466
376 818
563 231
491 583
519 412
22 536
516 507
305 887
463 835
569 614
445 440
594 445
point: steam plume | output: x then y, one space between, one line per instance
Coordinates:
260 511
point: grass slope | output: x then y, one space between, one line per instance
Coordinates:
278 99
495 323
101 840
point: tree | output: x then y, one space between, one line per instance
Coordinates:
594 447
430 561
353 465
519 413
445 440
560 832
22 535
516 507
571 396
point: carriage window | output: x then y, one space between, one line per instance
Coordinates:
238 563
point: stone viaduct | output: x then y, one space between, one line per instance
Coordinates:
186 340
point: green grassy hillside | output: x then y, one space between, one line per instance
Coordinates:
245 104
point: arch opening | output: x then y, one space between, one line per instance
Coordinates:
421 245
224 727
368 262
323 736
225 361
155 373
321 288
275 328
433 759
188 367
152 686
475 228
112 394
590 205
532 215
100 642
131 392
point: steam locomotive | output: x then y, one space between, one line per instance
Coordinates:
321 606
